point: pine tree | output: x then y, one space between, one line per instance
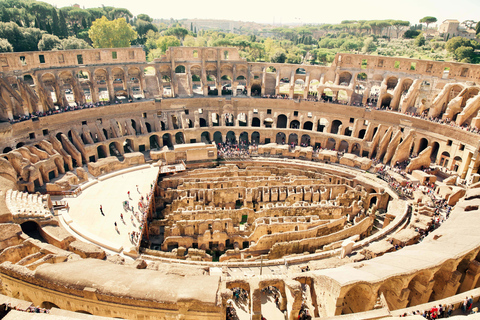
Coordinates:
37 24
195 29
55 25
191 26
84 23
48 28
62 25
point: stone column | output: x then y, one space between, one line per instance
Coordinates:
471 276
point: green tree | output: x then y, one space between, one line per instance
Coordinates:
72 43
399 24
5 46
111 34
178 32
49 42
420 40
369 45
427 20
165 42
62 25
477 28
278 57
464 54
457 42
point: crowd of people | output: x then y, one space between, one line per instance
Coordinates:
232 149
5 308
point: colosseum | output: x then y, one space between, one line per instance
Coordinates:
203 186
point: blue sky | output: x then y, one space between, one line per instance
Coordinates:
306 11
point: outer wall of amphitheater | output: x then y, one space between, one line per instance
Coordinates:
390 109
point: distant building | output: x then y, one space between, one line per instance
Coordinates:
451 28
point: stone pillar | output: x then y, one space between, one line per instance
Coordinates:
306 87
256 302
109 80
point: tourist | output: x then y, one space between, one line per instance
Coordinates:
101 210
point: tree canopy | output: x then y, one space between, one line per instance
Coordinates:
111 34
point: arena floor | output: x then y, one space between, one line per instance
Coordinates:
90 224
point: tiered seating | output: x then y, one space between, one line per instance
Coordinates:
25 205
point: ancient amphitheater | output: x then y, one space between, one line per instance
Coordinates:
202 186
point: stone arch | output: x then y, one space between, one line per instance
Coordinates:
217 137
359 298
282 121
102 151
300 71
307 125
280 138
423 145
293 138
305 140
435 148
392 291
255 122
294 124
242 119
280 286
356 148
345 78
391 83
456 163
100 77
361 134
336 124
420 288
48 305
203 123
148 126
179 138
154 141
167 140
348 131
322 124
445 159
205 137
255 138
243 137
231 137
256 89
343 146
331 143
180 69
386 100
7 149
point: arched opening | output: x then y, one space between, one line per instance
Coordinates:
356 149
343 146
105 133
444 159
299 88
243 139
167 140
293 139
7 150
335 126
255 137
101 151
231 138
217 137
280 138
229 119
215 119
391 83
282 121
180 69
114 149
322 124
331 143
205 137
435 147
294 124
361 134
32 229
373 201
360 298
242 119
256 90
203 123
423 145
348 131
271 302
255 122
308 125
19 145
386 100
179 139
417 296
457 162
148 126
344 79
154 143
48 305
128 146
305 141
300 71
134 126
